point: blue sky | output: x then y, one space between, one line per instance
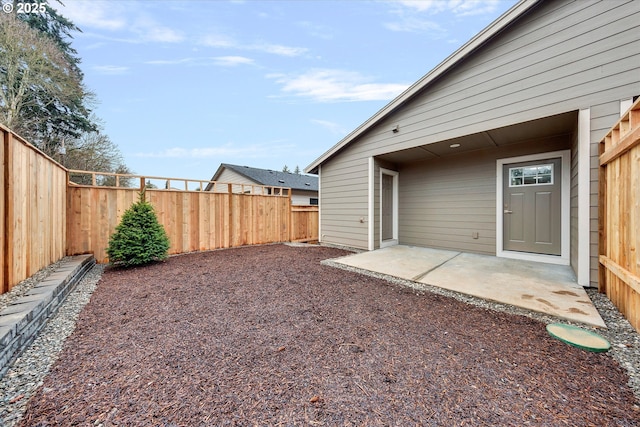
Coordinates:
186 85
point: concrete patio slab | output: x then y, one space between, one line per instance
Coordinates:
405 262
545 288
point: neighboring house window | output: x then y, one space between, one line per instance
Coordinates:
531 175
313 201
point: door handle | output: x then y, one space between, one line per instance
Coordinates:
507 211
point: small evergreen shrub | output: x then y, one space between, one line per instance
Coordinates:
139 238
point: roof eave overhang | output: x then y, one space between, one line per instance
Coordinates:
478 40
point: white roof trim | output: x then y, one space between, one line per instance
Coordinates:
496 26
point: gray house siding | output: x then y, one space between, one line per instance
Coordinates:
444 201
344 185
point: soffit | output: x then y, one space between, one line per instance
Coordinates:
534 130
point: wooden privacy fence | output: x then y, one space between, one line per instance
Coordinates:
32 210
47 211
229 215
619 213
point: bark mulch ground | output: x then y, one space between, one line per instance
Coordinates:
268 336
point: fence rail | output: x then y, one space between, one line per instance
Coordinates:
119 180
619 213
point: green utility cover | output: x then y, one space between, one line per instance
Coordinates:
578 337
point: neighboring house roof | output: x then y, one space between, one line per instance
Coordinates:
272 178
471 46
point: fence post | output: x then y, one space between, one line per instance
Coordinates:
602 221
230 219
6 227
291 232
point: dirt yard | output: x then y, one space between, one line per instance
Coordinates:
265 336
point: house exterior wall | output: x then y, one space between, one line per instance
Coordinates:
232 177
444 201
561 56
229 176
300 197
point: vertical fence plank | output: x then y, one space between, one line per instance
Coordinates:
5 252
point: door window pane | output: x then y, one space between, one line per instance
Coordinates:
531 175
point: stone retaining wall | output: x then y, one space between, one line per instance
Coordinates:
21 321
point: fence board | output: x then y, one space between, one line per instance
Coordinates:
619 200
4 256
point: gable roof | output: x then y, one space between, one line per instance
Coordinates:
467 49
272 178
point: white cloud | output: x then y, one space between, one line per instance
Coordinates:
332 127
92 14
222 41
277 49
217 40
147 29
417 16
227 151
457 7
473 7
156 33
110 69
224 61
337 86
180 61
416 25
231 61
131 23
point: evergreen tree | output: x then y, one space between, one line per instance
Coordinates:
139 238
